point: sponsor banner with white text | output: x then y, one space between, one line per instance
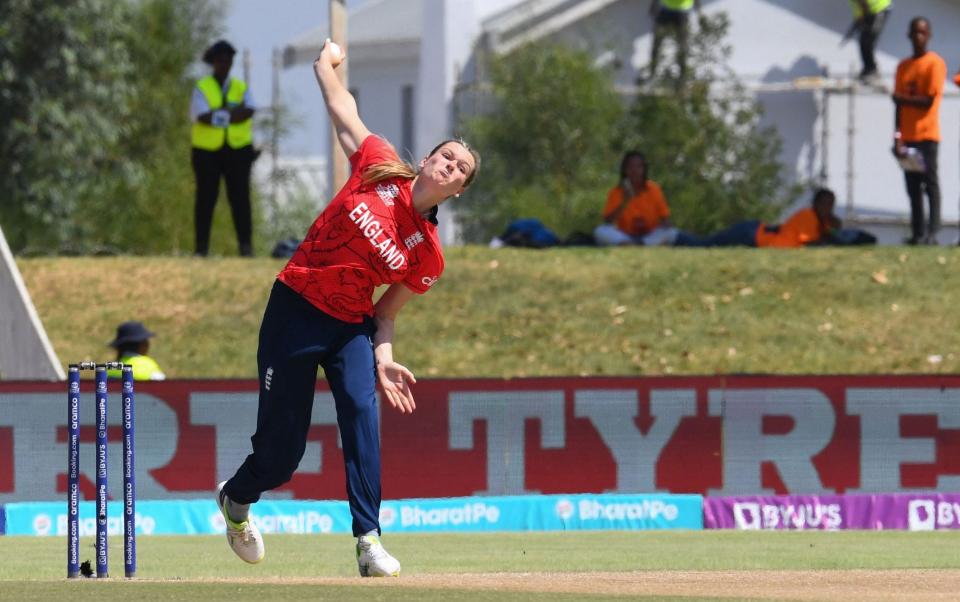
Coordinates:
475 514
900 511
721 436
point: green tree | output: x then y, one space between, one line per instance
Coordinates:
150 204
704 141
64 91
547 144
94 144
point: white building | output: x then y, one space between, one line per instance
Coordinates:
408 58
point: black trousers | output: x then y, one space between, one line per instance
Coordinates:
233 165
670 22
920 182
869 34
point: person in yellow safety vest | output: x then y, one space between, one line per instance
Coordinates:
222 113
671 17
869 17
132 344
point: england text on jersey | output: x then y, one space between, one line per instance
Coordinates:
372 230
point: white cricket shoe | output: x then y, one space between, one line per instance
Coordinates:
373 560
244 537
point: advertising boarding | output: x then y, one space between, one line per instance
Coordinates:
713 436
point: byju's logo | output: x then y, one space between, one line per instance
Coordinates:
922 515
746 515
752 515
928 515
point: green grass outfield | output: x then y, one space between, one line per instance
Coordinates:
560 312
313 567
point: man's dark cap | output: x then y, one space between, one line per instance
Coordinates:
130 332
219 47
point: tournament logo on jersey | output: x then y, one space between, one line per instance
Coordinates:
387 193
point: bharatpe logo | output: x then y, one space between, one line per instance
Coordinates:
388 516
42 524
87 526
564 509
300 522
928 515
751 515
466 514
652 509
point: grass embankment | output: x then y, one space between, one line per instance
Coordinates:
561 312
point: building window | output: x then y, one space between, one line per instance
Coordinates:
406 119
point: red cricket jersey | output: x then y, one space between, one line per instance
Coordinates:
368 236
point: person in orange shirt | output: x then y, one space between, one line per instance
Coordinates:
812 225
636 212
917 95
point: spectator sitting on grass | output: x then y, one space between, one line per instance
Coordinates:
636 212
816 224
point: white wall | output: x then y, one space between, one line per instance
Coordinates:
378 87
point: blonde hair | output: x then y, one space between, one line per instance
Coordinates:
387 170
401 169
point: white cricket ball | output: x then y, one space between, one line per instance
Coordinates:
336 54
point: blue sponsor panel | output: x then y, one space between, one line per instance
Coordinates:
630 512
181 517
472 514
543 513
3 520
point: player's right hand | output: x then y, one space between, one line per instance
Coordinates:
330 52
395 380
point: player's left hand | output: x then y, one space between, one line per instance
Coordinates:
395 380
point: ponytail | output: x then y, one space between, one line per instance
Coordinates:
388 169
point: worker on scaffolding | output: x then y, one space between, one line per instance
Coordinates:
869 17
671 17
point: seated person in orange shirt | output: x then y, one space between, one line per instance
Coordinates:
815 224
636 212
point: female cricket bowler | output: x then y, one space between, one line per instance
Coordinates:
380 229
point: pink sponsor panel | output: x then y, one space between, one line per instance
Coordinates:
721 436
900 511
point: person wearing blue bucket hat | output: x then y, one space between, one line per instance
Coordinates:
132 343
